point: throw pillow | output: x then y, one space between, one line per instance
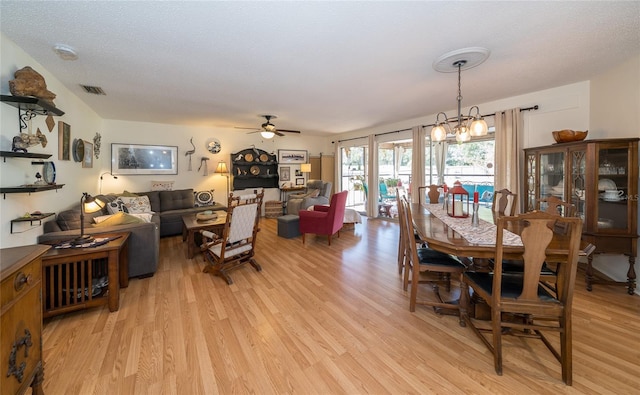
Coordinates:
314 193
119 219
134 205
203 198
162 185
116 206
128 194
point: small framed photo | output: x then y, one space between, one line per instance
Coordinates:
299 181
64 141
292 156
285 173
87 161
298 173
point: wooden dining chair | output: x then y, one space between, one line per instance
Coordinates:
504 203
521 296
429 194
430 263
402 243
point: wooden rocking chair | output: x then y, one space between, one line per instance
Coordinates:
236 246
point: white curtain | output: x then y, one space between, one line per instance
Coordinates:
509 164
417 162
374 191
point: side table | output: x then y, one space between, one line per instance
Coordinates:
191 225
80 278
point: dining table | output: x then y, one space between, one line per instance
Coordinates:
476 245
458 237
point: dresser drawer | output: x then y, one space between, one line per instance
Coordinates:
20 282
21 341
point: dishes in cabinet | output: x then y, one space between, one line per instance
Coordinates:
264 158
605 183
605 223
255 170
248 157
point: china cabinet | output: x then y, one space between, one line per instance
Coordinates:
600 178
254 168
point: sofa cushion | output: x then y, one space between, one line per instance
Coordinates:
176 200
146 217
69 219
138 204
203 198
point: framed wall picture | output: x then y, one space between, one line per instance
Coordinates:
64 141
285 173
292 156
299 181
87 161
138 159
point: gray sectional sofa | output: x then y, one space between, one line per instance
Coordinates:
144 241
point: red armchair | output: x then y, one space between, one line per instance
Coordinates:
324 220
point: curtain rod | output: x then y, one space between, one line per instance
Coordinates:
532 108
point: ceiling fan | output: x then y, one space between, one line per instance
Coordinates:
268 129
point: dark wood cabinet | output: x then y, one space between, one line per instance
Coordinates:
600 178
254 168
21 320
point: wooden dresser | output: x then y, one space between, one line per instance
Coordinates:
21 319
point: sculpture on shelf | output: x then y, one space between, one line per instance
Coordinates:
29 82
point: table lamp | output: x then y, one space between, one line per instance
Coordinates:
88 204
223 170
305 168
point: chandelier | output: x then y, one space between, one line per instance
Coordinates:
466 125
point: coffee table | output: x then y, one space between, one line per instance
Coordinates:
191 225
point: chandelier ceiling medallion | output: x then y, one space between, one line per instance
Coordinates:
466 125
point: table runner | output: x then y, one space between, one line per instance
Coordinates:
483 234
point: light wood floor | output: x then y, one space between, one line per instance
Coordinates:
319 320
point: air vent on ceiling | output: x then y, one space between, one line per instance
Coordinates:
94 90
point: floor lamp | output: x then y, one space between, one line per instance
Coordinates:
223 170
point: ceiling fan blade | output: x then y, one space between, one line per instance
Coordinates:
239 127
289 131
277 132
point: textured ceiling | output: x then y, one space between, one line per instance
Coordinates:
322 67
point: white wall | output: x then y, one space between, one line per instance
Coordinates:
231 140
84 125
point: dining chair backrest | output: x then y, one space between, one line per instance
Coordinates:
429 194
555 205
540 240
504 202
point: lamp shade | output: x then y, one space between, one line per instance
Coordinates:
305 167
222 168
92 205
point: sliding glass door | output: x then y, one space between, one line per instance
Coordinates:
353 176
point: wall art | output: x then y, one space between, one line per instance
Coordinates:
64 141
292 156
138 159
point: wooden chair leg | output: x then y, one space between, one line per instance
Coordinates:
497 340
303 238
329 239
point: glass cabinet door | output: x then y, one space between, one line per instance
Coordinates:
577 193
551 170
613 188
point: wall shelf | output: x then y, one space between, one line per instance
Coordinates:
31 219
28 107
11 154
29 188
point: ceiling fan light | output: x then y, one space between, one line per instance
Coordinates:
267 135
479 127
438 133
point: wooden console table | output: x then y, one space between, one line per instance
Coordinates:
21 319
79 278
